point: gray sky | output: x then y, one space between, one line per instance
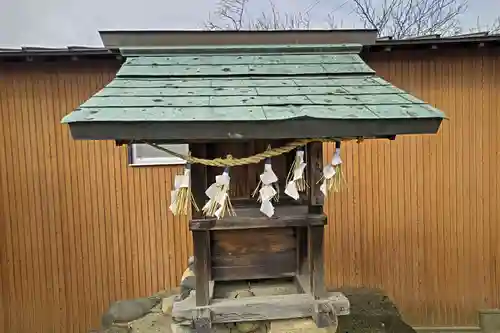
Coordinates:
71 22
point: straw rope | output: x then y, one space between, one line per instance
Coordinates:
230 161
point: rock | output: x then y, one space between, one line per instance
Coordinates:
221 328
191 263
152 323
128 310
119 329
176 328
188 283
298 326
167 304
167 292
247 327
188 272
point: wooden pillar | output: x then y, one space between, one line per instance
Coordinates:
302 279
201 238
202 267
315 233
198 178
314 155
316 261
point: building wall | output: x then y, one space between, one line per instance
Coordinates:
79 228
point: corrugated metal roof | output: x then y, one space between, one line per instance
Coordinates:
40 50
476 37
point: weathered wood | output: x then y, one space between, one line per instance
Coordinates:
255 253
340 302
303 283
202 320
302 253
314 156
284 257
316 262
253 272
302 278
239 187
211 290
246 203
201 246
245 178
324 315
198 178
257 308
263 307
252 241
253 170
252 218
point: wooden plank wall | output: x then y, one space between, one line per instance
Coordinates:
421 217
79 228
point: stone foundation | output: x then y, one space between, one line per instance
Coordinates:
371 311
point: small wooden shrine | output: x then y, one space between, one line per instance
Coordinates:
255 118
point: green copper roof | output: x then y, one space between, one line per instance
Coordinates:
250 84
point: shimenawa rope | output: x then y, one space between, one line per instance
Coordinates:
254 159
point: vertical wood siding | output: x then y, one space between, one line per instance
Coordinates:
79 228
421 216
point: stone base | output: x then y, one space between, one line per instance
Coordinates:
370 311
489 320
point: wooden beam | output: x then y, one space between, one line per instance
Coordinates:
252 272
264 307
201 246
241 222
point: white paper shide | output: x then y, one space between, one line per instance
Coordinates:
181 181
329 172
218 196
296 181
267 191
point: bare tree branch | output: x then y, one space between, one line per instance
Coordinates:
232 14
410 18
491 28
397 18
495 27
277 21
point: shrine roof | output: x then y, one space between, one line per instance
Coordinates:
249 92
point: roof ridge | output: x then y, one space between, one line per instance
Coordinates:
243 49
